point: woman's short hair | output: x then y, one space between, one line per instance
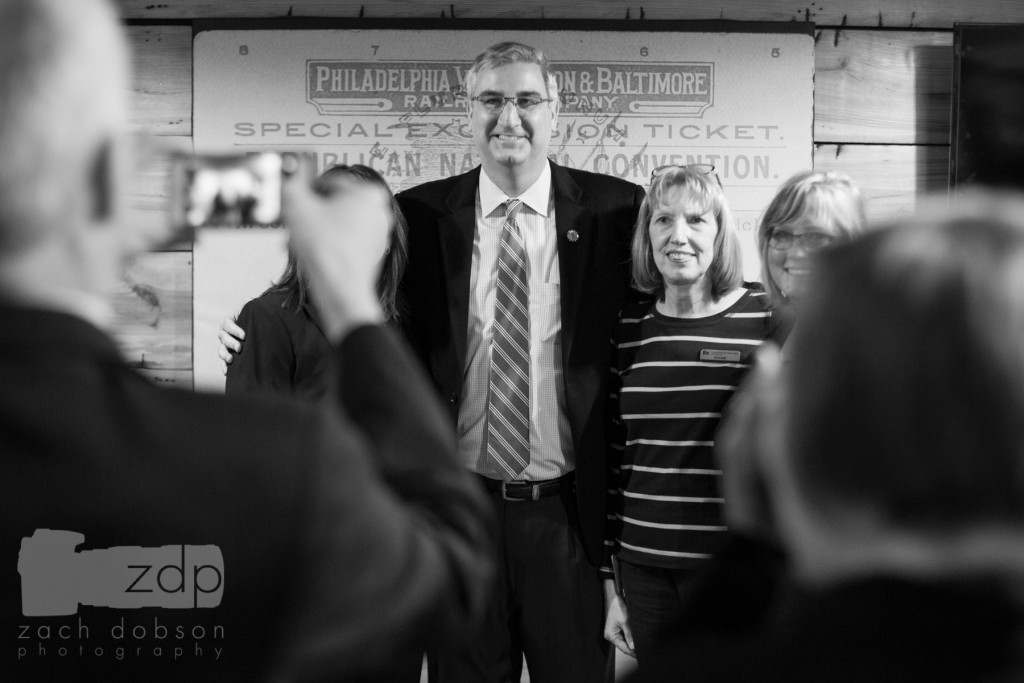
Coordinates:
907 374
826 198
293 282
703 189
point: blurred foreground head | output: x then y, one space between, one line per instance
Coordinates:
901 421
64 78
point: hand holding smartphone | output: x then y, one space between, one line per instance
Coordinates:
229 191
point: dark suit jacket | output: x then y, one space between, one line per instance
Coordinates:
285 351
879 629
601 210
346 536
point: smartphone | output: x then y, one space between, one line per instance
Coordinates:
229 191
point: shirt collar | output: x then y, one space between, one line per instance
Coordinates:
536 196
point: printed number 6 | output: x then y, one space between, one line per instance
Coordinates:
775 52
643 52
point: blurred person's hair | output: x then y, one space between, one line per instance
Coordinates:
64 80
829 199
293 282
907 376
706 194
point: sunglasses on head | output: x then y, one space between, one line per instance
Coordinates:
703 169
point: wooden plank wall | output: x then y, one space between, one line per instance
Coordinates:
883 70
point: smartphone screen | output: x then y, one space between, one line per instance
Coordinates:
227 191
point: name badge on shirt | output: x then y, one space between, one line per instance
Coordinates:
720 356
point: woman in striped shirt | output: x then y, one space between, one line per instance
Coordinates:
678 359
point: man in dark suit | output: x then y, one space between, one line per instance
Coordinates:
576 228
332 539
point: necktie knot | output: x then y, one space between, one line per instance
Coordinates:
512 207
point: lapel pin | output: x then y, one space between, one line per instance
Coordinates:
572 235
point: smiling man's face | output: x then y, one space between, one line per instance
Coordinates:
513 141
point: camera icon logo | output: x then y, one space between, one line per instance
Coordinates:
55 579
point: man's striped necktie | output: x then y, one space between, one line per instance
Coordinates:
508 407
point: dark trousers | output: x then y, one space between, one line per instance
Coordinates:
548 603
654 600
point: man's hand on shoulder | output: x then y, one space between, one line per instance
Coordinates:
230 336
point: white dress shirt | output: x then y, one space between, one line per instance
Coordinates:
551 453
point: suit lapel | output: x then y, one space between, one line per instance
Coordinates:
456 232
574 224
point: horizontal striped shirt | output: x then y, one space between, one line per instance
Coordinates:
670 381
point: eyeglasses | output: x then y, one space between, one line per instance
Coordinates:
524 103
810 241
703 169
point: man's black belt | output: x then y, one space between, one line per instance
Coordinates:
529 490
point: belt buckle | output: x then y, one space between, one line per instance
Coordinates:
534 493
504 493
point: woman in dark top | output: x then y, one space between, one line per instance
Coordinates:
285 349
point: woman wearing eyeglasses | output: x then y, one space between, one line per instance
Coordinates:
810 211
677 359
